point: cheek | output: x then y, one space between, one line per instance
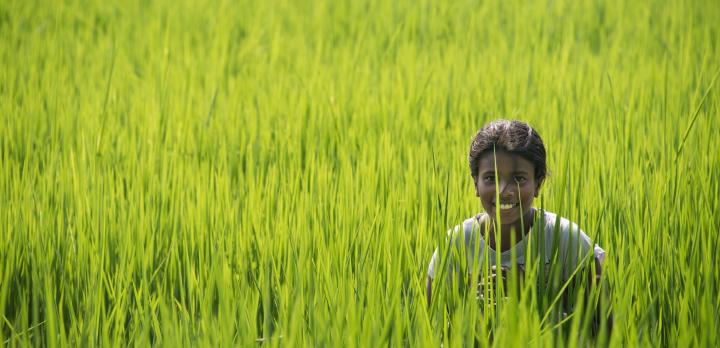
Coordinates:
527 193
485 192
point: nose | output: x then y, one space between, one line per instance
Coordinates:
507 190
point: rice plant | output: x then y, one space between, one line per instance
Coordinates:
235 173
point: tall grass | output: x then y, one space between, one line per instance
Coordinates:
228 172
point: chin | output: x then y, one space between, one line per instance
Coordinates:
507 218
504 219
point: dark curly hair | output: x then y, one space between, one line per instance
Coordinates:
512 136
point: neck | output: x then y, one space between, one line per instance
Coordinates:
512 233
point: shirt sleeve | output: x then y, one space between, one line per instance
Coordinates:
431 268
453 235
599 254
576 248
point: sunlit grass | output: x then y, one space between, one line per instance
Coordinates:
219 172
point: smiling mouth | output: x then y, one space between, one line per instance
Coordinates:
507 206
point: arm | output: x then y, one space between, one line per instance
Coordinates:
428 290
594 277
594 282
455 236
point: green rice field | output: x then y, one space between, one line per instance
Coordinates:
242 173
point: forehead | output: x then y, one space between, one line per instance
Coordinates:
506 163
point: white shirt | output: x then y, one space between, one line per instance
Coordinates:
559 235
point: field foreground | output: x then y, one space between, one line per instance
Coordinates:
229 172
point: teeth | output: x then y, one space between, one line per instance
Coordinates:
506 206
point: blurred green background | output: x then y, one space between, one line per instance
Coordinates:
230 172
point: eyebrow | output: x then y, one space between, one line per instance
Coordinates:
514 173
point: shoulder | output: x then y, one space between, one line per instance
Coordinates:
467 231
570 236
558 222
573 241
558 225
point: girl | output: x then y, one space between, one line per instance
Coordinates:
510 156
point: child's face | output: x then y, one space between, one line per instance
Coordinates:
516 182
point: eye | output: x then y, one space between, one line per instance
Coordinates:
520 179
489 178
